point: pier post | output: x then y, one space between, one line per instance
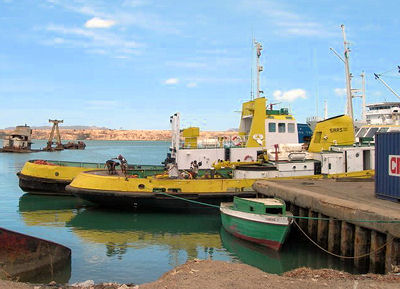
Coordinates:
312 224
361 246
347 239
334 231
377 259
322 231
389 254
303 222
294 210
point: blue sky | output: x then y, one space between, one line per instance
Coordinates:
132 63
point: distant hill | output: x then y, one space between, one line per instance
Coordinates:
92 133
81 127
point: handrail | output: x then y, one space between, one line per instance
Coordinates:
236 141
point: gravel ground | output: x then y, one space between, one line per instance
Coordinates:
201 274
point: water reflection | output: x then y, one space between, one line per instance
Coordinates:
120 231
48 210
126 241
296 252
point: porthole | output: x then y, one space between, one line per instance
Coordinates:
56 174
141 186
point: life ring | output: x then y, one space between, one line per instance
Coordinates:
248 157
237 140
258 136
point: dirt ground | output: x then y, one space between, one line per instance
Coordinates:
202 274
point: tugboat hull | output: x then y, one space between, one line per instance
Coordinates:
156 201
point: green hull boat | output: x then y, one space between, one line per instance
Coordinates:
262 221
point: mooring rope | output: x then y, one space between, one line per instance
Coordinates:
341 256
346 220
302 231
190 201
294 217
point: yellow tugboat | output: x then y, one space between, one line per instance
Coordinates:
51 177
266 146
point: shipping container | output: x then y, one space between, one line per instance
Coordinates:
387 167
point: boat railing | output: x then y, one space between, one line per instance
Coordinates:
75 164
235 141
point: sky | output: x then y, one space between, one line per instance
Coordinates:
131 64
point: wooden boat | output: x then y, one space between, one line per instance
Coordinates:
157 192
263 221
26 258
51 177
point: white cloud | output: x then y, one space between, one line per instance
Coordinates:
171 81
127 15
340 91
97 22
287 22
92 41
290 95
191 84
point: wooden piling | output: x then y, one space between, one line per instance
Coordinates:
294 210
312 224
389 254
347 239
303 222
361 247
377 258
322 231
334 231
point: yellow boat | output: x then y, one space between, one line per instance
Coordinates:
157 192
50 177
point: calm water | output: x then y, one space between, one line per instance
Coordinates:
128 247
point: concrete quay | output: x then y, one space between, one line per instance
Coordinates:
343 202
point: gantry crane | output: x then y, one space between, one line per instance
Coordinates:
55 129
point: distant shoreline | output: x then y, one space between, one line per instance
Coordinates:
114 134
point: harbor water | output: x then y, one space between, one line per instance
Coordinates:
130 247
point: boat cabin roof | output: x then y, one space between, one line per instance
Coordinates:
265 201
260 205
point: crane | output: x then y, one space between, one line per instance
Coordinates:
55 129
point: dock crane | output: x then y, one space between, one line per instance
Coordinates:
55 129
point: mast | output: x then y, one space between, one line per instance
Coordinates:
258 67
349 103
364 105
175 130
325 109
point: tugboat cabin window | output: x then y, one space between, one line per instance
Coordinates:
251 209
361 132
290 127
272 127
281 127
274 211
372 132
